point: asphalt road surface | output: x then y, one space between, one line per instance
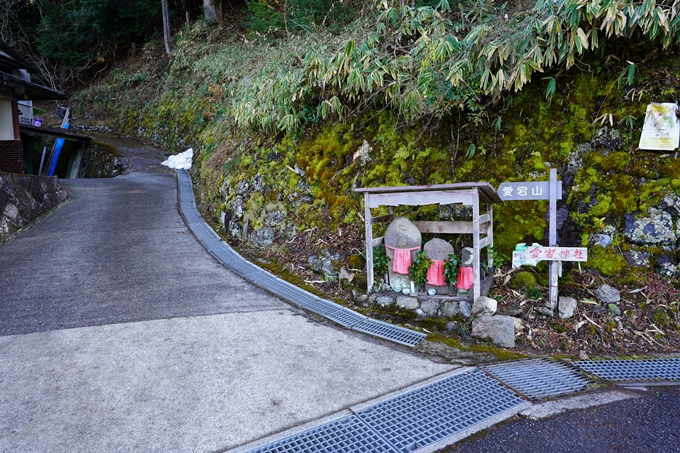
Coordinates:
648 423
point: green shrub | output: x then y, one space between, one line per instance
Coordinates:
264 19
380 261
451 269
418 270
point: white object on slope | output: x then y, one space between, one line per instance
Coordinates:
181 161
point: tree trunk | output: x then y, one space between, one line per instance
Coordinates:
166 26
210 11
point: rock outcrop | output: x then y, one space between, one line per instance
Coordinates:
500 329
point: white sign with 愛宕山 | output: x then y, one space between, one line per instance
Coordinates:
551 191
527 190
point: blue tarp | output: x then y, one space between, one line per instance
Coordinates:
57 150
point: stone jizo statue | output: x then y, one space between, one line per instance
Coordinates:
466 275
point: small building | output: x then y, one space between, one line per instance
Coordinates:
15 87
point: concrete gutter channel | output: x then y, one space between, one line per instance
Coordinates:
442 410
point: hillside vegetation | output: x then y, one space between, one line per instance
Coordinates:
288 117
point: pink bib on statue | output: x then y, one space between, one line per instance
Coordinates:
402 259
466 278
435 274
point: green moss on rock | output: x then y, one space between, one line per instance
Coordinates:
606 260
523 280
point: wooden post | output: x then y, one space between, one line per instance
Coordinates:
369 243
475 244
489 234
553 266
16 126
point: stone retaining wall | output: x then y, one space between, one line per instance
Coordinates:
23 198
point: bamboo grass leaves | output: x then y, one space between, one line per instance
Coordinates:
557 32
427 61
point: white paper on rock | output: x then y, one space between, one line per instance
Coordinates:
661 130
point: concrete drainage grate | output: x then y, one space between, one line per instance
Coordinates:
432 416
650 370
390 332
438 411
222 252
538 378
347 435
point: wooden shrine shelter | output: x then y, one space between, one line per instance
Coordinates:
467 194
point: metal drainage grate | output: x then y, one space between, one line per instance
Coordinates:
186 190
321 307
206 235
390 332
225 257
651 370
292 294
538 378
442 409
347 435
346 317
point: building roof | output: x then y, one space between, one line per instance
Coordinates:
10 59
53 132
32 91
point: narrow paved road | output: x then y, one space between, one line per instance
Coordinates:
118 252
118 332
648 423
